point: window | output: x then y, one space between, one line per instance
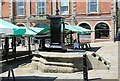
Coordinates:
20 7
102 31
64 9
93 6
85 37
41 7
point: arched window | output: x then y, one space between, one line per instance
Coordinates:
86 37
84 25
41 25
66 23
102 31
20 25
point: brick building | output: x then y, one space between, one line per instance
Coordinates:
96 15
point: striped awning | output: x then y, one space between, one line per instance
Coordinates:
10 28
77 29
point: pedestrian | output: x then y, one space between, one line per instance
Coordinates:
76 45
23 41
19 41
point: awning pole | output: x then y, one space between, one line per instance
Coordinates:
70 37
78 40
43 44
6 47
29 47
14 47
63 32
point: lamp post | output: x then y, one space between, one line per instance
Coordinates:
114 15
114 20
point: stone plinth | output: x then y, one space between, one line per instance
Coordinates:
59 62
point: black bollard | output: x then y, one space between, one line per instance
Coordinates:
11 70
85 71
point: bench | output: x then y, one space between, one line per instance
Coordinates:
85 45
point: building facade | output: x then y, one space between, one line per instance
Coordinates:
97 15
119 4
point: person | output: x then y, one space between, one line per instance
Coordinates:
76 45
23 41
18 41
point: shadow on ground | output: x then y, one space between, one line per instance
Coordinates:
100 79
93 49
38 78
29 78
5 66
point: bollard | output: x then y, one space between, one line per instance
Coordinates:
85 70
11 70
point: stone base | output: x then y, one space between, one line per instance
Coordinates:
56 62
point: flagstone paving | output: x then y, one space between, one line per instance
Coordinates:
108 51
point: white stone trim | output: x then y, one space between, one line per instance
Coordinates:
103 22
28 8
20 24
86 23
67 23
54 7
0 8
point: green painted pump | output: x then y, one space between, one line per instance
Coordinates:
57 27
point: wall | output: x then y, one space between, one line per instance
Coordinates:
80 10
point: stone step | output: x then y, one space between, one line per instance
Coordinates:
58 54
44 61
52 68
102 60
96 64
59 62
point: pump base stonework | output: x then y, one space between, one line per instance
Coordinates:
58 62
